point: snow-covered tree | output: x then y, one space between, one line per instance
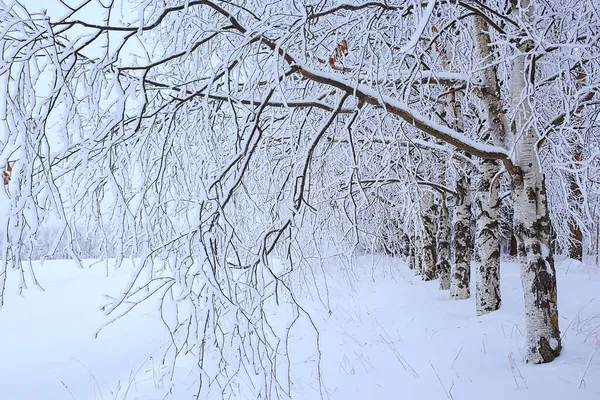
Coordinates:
227 143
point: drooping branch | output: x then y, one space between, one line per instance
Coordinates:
393 106
363 93
371 96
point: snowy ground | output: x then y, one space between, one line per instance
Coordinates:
388 336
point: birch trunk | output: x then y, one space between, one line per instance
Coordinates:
461 241
575 233
576 195
418 258
531 220
428 258
575 241
443 240
576 202
538 275
487 240
411 252
460 276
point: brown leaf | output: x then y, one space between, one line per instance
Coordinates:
6 174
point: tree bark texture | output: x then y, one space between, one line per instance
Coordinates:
487 242
576 201
531 218
443 245
461 241
487 239
428 216
442 265
418 258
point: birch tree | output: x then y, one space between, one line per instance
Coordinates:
428 248
460 280
487 249
443 266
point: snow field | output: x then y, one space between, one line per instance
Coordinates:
384 334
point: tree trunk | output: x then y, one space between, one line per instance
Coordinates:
487 243
428 215
575 241
576 195
531 219
538 276
443 237
576 201
411 251
461 241
418 255
513 244
487 239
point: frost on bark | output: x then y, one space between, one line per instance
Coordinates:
531 219
461 240
487 239
443 240
428 216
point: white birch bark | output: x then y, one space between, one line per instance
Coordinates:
487 242
443 238
461 241
418 255
531 219
453 118
428 257
575 192
460 276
